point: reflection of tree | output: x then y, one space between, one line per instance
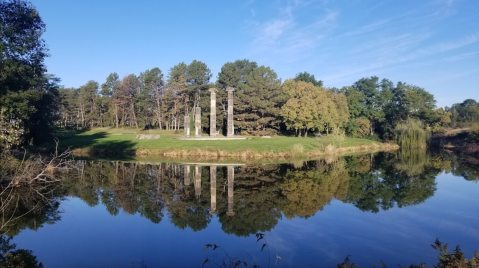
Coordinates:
19 258
184 207
29 207
310 190
466 167
261 192
411 162
404 180
257 202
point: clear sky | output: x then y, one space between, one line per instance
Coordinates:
433 44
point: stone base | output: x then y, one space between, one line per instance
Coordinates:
147 137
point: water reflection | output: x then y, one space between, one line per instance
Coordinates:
246 198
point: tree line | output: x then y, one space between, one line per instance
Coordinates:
32 102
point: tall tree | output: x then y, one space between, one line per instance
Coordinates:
198 77
25 90
258 97
109 90
86 103
153 88
306 108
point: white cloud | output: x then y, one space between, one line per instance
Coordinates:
285 38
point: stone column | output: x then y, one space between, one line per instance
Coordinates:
197 181
187 175
213 113
187 126
230 125
197 121
231 177
213 189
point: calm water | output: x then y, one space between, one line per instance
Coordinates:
386 207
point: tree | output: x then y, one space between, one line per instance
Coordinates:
312 108
257 99
153 93
372 100
198 77
308 78
86 103
467 111
26 93
109 90
305 108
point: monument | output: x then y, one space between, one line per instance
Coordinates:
187 126
213 132
197 121
230 126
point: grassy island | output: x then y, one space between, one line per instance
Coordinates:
117 142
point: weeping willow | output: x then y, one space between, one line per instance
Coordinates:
411 134
411 162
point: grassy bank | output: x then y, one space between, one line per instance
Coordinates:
110 141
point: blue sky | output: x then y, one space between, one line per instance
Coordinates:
433 44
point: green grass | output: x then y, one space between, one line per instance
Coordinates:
123 144
125 139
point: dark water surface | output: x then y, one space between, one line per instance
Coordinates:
385 207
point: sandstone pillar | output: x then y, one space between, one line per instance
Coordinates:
231 177
187 175
213 189
197 121
230 125
213 113
187 126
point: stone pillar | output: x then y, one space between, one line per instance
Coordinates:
187 175
197 121
231 177
187 126
230 124
213 113
213 189
197 181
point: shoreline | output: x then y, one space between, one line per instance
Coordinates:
213 153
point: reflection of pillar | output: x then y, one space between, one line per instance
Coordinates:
213 189
187 126
213 113
231 177
187 175
197 121
197 180
230 125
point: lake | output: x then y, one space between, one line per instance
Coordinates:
372 208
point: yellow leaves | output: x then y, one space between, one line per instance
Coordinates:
311 107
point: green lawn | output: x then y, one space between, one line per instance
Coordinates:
125 140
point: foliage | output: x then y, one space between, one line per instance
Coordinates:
27 95
312 108
465 112
308 78
411 134
19 258
257 96
225 260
